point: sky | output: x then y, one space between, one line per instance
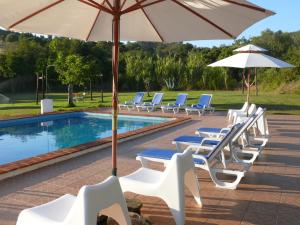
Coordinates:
287 18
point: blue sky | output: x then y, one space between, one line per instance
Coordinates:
287 18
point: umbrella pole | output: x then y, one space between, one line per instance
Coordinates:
115 70
249 85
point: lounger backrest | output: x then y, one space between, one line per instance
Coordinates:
225 141
245 106
205 100
262 125
250 122
92 199
247 124
181 99
138 98
157 98
251 109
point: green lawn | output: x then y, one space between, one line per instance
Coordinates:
222 100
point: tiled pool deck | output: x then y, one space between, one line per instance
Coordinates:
269 194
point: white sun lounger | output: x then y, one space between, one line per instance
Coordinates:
250 145
167 185
242 110
209 162
106 198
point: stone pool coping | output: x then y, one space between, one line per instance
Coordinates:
32 163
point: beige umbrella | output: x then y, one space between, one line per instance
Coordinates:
131 20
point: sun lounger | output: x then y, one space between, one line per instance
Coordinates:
209 143
106 198
209 162
151 106
180 103
235 115
249 145
204 104
242 110
168 185
137 100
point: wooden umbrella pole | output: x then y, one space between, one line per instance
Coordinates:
115 70
243 81
256 88
249 86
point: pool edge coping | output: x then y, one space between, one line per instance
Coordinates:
32 163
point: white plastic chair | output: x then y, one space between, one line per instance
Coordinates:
105 197
235 115
242 110
167 185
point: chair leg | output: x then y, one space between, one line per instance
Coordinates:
192 184
176 205
119 213
222 184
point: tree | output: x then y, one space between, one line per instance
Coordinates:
194 69
170 70
72 71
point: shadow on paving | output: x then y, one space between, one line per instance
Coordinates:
228 211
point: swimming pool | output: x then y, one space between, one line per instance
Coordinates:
28 137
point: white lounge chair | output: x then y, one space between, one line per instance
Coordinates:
250 145
251 109
242 110
106 198
209 162
204 104
180 103
137 100
167 185
151 106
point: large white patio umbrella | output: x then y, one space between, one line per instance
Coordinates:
131 20
250 56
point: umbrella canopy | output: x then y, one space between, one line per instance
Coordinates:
251 60
250 48
144 20
131 20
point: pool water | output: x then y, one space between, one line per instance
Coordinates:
24 138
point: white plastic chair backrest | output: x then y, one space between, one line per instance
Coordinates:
262 124
93 198
179 164
251 109
225 141
245 106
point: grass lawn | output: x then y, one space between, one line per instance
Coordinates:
23 104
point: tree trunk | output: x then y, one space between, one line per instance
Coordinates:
256 87
91 90
37 89
243 82
70 95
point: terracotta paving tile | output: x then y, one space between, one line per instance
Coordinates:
269 194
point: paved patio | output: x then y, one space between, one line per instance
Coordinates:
269 194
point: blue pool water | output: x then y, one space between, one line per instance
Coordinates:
24 138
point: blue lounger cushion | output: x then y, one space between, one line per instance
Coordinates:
211 130
195 140
165 154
